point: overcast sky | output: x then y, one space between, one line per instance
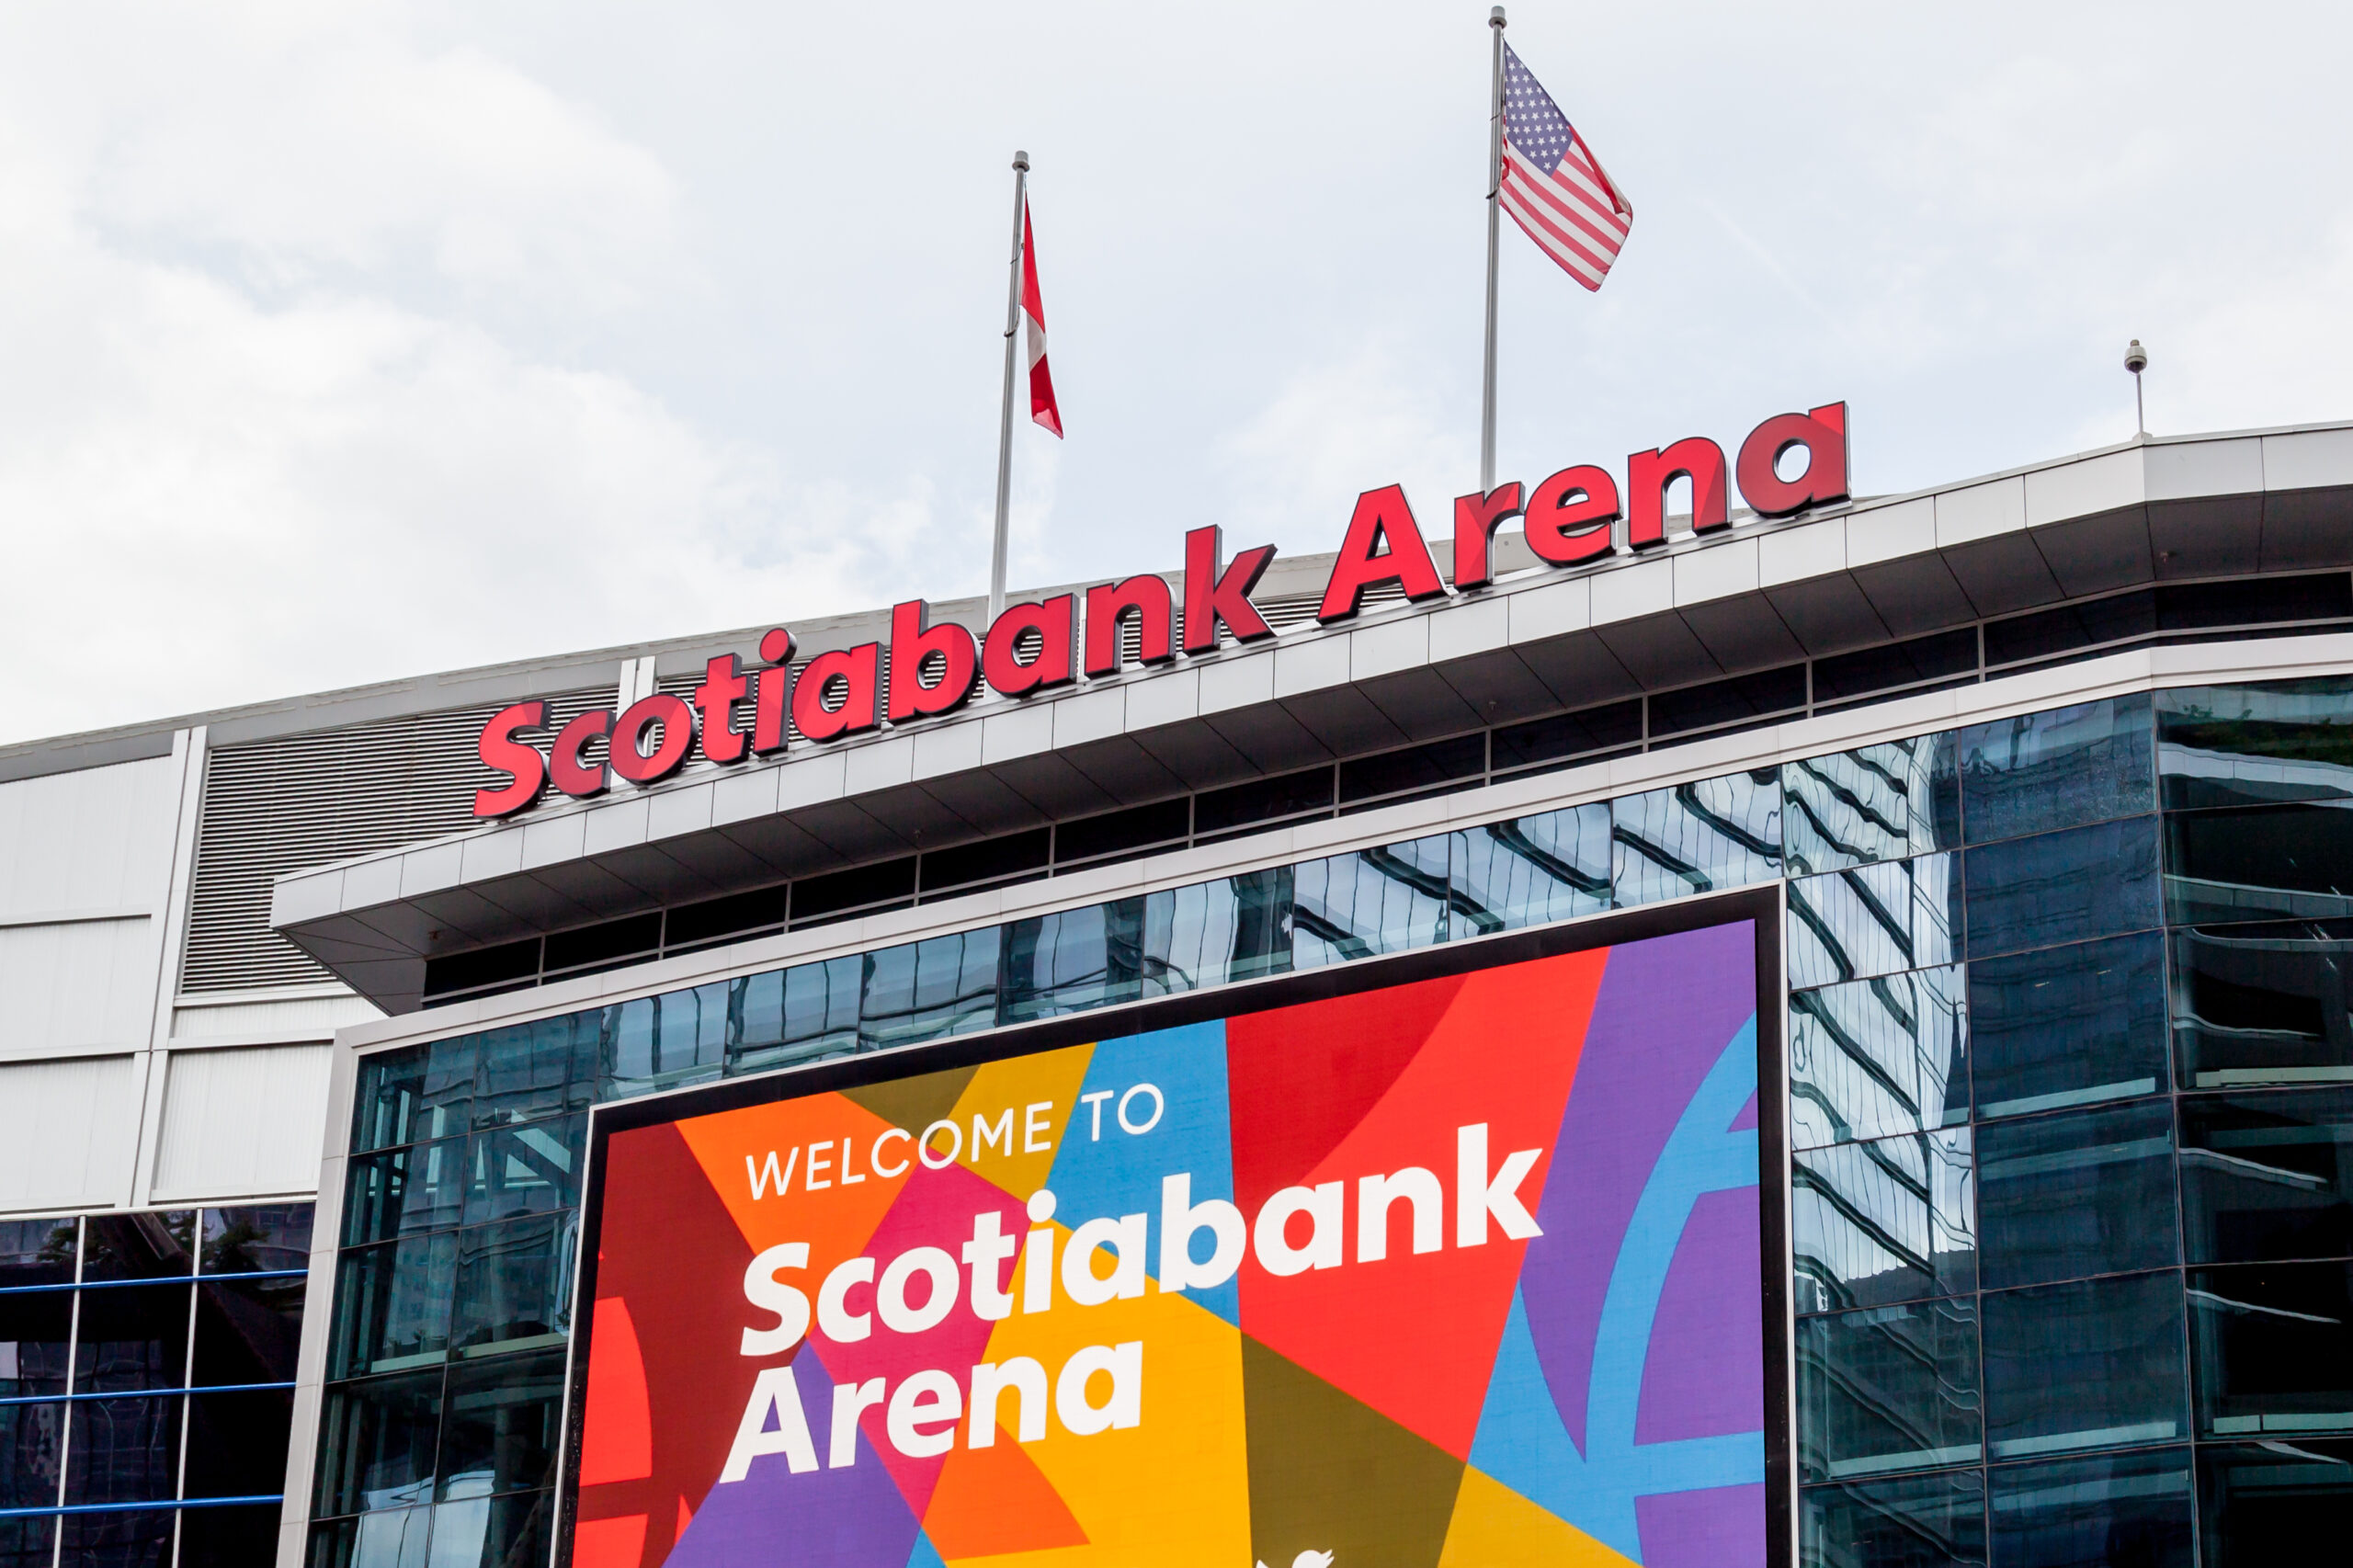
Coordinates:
345 342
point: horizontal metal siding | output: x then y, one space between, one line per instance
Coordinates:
288 804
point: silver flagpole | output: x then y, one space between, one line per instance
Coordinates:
1004 423
1495 213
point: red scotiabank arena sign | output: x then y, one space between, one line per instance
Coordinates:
1568 521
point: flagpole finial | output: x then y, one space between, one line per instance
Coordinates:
1021 162
1495 18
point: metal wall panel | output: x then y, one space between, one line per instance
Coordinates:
73 987
67 1131
243 1122
97 839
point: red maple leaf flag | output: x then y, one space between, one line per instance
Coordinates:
1033 317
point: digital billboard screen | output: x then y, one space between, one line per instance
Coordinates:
1454 1259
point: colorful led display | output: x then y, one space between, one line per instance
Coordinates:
1457 1270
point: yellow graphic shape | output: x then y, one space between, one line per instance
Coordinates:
1171 1491
1494 1527
993 1116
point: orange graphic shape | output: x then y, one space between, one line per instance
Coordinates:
993 1500
993 1117
834 1220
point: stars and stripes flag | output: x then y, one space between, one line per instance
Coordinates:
1033 319
1553 185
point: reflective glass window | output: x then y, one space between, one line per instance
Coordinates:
2255 1004
1887 1220
803 1014
2262 1505
1936 1520
257 1238
2055 769
528 1169
663 1042
32 1439
390 1539
130 1337
1074 960
1699 837
391 1306
1373 900
237 1442
123 1450
538 1069
925 989
1876 919
247 1331
38 1252
2069 1026
2089 1513
376 1443
34 1332
157 1245
1888 1389
1213 933
1878 1056
2062 887
1881 802
2076 1193
404 1192
513 1283
29 1542
1528 870
2092 1365
2273 1344
2260 863
137 1536
493 1531
2258 744
235 1536
499 1421
2266 1177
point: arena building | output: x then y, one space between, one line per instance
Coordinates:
1821 1035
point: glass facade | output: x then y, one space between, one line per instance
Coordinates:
2071 1064
147 1385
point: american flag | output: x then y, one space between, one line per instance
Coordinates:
1553 185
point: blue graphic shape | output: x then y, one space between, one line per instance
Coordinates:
1522 1441
925 1555
1103 1171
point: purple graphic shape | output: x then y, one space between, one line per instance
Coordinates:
851 1517
1747 1120
1665 1009
1704 1376
1702 1529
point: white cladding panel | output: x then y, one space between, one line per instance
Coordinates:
67 1132
73 986
238 1122
100 838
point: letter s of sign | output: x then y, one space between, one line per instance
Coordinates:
766 1291
526 771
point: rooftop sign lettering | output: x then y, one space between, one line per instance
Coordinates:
1570 519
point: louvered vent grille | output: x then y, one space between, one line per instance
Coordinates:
283 805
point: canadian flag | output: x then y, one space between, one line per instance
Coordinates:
1033 317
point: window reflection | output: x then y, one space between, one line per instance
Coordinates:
2056 768
1373 900
2068 1026
1528 870
1878 1056
2257 744
2274 1347
1888 1389
1699 837
2097 1364
1881 802
1878 920
2255 1004
2267 1176
2116 1508
1888 1220
2077 1193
